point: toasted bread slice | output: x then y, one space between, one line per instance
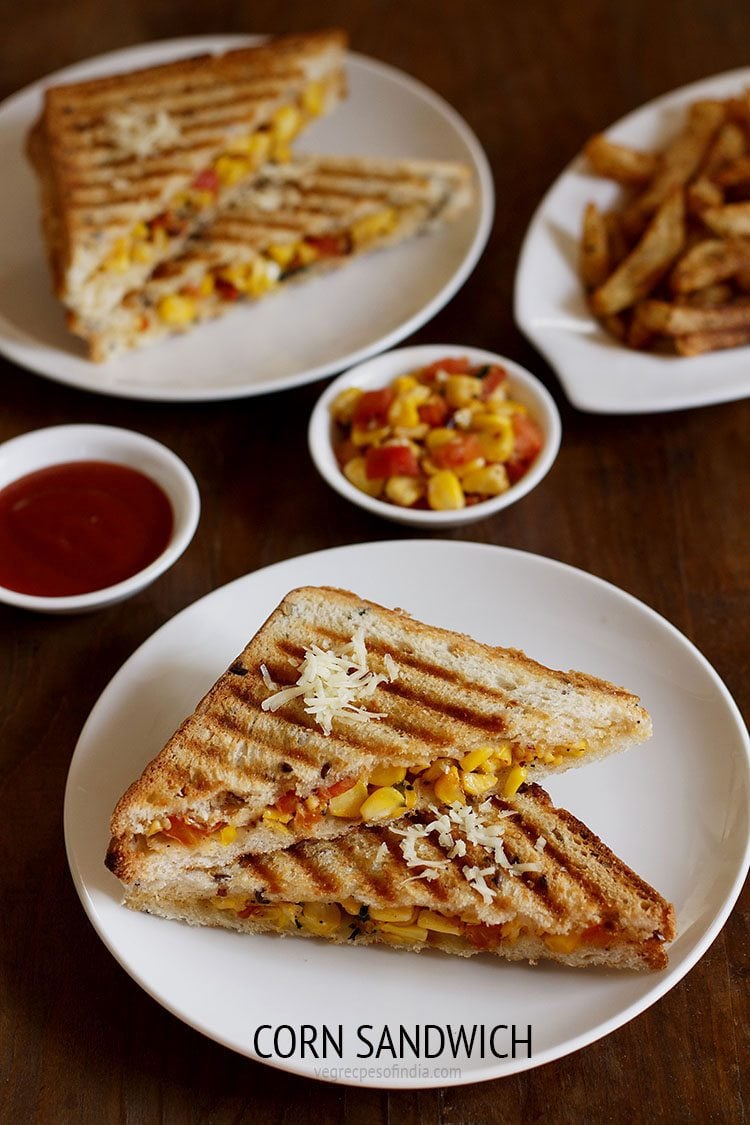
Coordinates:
515 877
131 164
294 221
265 761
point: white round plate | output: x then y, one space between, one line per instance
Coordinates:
303 332
598 373
675 809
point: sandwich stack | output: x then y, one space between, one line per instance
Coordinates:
362 776
169 192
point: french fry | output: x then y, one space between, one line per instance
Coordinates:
698 343
711 296
732 220
681 159
640 334
646 264
733 173
729 144
711 260
594 258
701 195
669 319
619 162
616 240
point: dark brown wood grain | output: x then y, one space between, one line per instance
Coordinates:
656 504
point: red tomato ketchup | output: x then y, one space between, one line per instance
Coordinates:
80 526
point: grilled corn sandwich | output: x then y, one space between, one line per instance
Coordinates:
340 712
293 221
130 165
513 876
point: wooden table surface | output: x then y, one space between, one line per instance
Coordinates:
656 504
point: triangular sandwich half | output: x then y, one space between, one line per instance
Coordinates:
129 165
515 877
340 712
294 221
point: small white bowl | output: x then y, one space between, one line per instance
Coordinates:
378 372
57 445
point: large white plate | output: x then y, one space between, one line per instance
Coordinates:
304 332
597 373
675 809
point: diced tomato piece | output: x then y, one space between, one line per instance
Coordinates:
391 461
329 245
434 412
226 290
597 935
458 451
170 222
207 181
286 803
492 380
186 833
305 818
515 469
336 789
372 408
484 937
251 909
450 366
528 438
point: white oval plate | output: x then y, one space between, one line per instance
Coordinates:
675 809
304 332
599 374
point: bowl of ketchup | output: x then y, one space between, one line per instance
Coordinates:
89 515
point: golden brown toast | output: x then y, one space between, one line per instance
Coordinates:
530 882
167 145
292 222
249 771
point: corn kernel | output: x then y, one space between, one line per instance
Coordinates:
206 285
313 99
119 260
351 905
140 230
228 834
460 390
498 446
438 436
355 472
404 491
512 930
514 781
382 803
448 787
387 775
489 481
286 123
159 237
403 412
444 492
374 226
463 471
430 920
177 310
502 755
410 797
320 917
231 169
142 252
477 784
562 943
350 802
406 934
282 253
154 827
342 407
392 913
404 383
256 146
229 902
306 253
362 437
283 915
281 152
437 769
475 758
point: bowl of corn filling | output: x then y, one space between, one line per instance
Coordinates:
437 435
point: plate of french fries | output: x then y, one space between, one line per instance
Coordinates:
634 277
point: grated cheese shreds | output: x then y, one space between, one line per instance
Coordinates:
140 131
454 827
333 685
270 684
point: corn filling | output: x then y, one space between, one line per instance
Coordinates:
411 925
242 157
389 791
279 261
